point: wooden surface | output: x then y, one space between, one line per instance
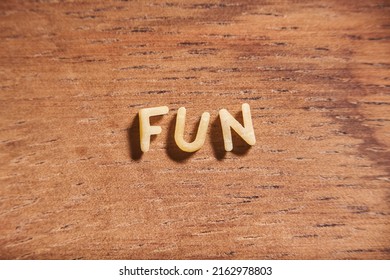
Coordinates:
74 184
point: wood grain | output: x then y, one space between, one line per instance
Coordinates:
74 184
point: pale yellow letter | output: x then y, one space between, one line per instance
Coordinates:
146 130
246 132
200 136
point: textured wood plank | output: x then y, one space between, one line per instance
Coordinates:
74 184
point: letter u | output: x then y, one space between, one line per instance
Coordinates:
200 136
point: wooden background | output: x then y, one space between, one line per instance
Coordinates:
74 185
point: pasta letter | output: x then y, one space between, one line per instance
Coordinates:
146 130
200 136
246 132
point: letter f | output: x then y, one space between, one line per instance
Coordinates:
146 130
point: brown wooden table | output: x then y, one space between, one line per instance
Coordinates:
74 184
